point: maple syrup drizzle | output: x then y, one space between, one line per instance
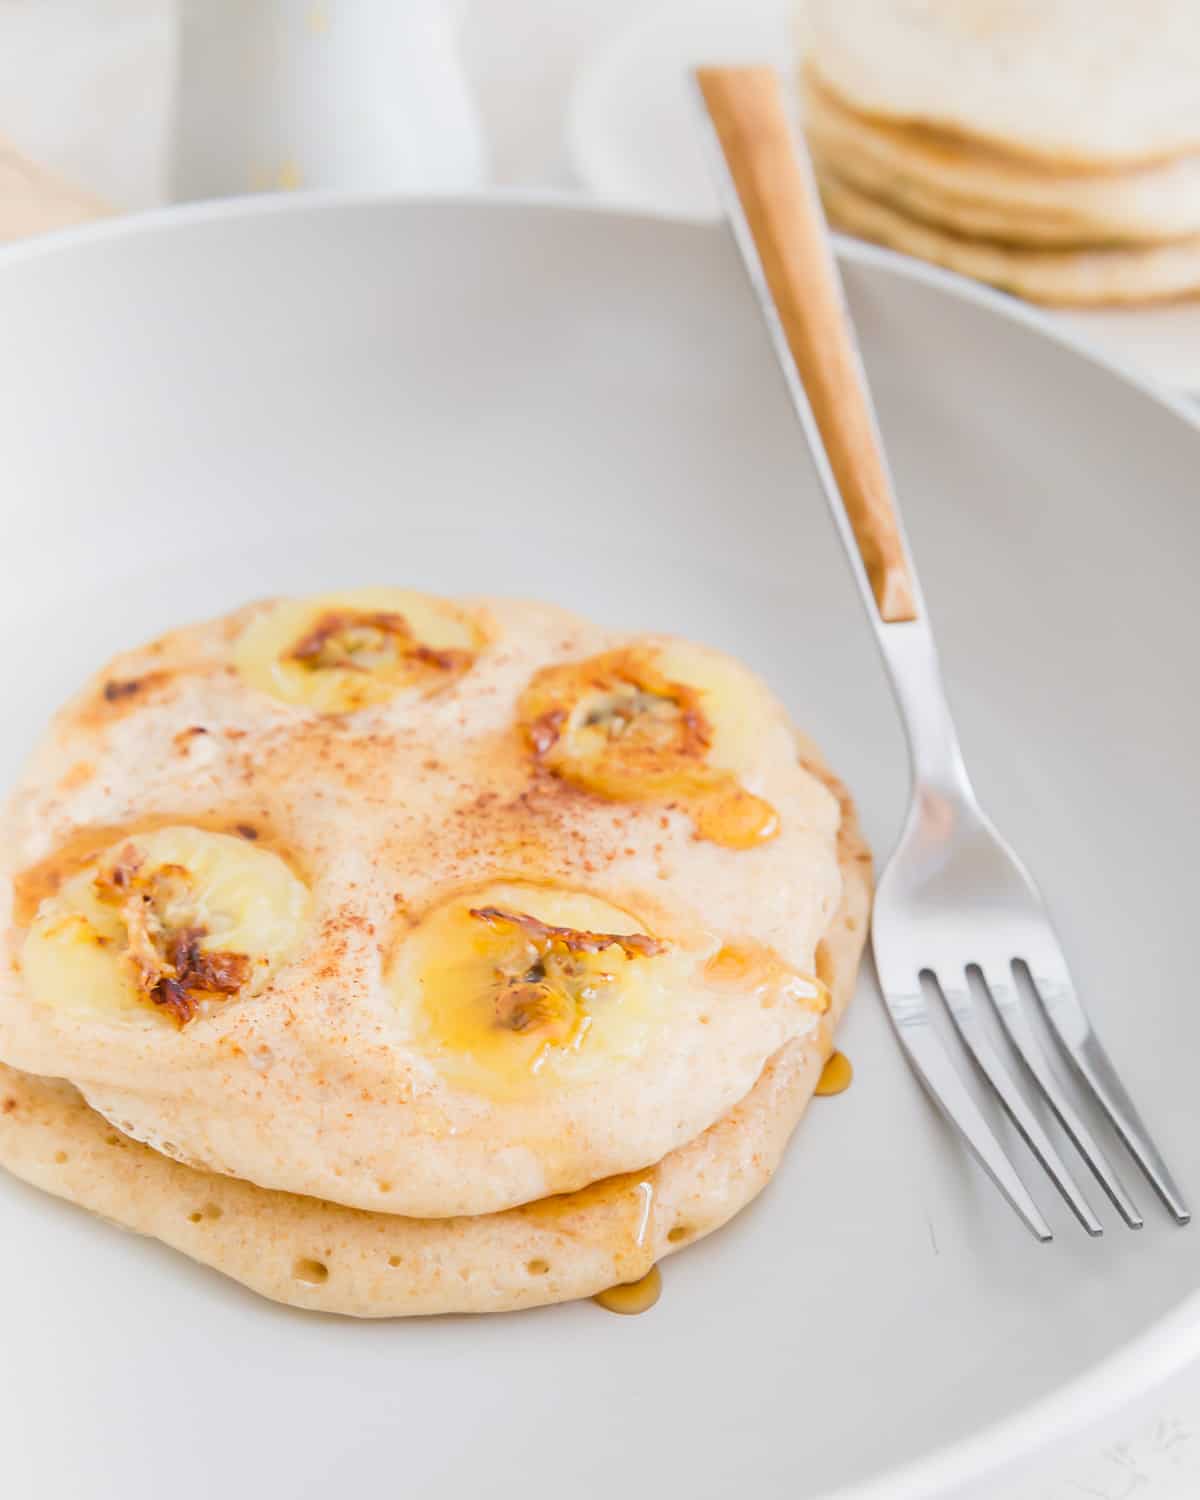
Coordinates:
633 1296
836 1075
641 1291
759 971
646 1193
728 815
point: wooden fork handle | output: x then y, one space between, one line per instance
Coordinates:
775 186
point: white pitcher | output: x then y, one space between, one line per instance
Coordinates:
353 94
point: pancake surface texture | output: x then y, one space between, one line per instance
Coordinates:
1058 277
1072 82
331 1258
418 906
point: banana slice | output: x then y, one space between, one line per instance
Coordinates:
655 723
163 925
518 986
338 653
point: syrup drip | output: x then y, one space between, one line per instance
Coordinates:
639 1289
836 1075
633 1296
728 815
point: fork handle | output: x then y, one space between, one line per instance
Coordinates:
773 177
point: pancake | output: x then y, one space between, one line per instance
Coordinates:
335 1259
418 906
1077 85
975 191
1080 277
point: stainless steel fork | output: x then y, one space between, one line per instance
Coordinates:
954 899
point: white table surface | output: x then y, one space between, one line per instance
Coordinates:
521 58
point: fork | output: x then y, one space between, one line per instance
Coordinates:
954 900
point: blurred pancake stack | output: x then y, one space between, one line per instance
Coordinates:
1050 147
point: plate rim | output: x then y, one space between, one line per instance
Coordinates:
576 201
1172 1342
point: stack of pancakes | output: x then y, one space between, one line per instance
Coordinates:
395 954
1050 147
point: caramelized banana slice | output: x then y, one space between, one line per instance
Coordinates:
518 983
163 925
653 724
341 652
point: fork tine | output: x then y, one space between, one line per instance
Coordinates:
1070 1024
937 1072
1020 1032
962 1008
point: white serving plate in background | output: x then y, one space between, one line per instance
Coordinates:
633 140
294 394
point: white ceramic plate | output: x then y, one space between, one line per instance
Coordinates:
632 136
541 400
